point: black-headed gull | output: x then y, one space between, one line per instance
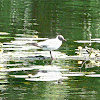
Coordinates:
51 44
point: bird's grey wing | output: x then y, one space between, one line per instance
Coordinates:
47 44
44 46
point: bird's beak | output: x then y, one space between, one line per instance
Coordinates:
64 40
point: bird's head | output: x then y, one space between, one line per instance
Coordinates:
60 37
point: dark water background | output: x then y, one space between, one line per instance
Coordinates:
75 20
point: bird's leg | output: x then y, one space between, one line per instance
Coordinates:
51 55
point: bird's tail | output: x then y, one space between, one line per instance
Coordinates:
35 44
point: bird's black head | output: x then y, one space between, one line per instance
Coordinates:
60 37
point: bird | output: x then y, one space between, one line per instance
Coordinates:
51 44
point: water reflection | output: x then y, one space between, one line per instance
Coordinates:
24 65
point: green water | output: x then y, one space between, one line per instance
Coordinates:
75 20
